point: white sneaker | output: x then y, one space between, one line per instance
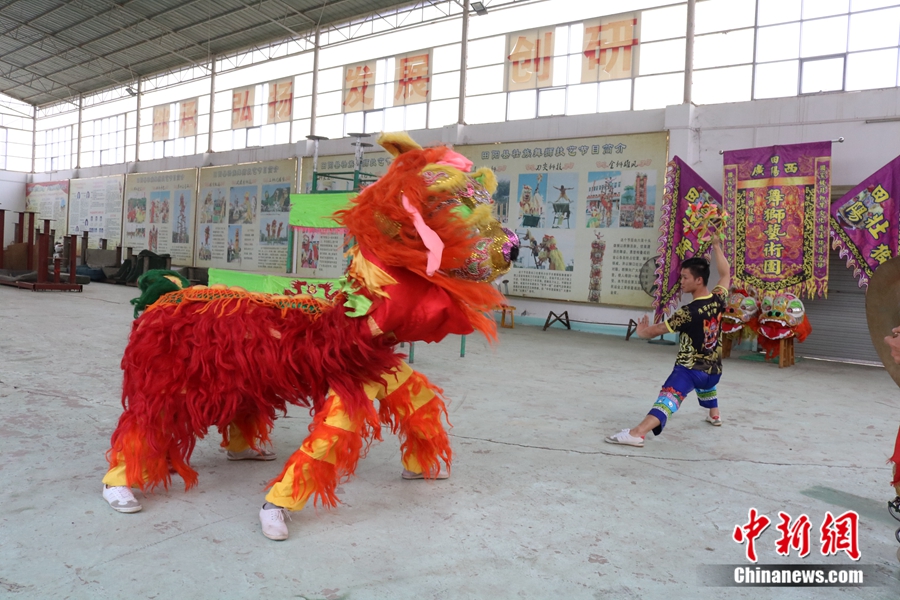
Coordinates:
251 454
716 421
408 475
272 521
121 499
625 438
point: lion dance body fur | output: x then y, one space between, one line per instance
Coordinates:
427 247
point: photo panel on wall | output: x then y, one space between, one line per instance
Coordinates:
182 226
620 199
234 244
546 249
273 229
242 204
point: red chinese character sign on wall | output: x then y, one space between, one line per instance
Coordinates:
281 96
608 47
411 79
865 223
161 122
242 101
530 60
779 197
359 87
187 121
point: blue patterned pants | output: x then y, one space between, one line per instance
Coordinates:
680 383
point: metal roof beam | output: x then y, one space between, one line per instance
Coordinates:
61 53
176 36
93 16
282 25
40 16
40 76
124 8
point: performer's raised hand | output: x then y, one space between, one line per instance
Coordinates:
643 325
893 342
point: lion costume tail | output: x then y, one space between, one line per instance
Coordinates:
205 357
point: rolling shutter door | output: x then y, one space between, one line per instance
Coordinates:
839 329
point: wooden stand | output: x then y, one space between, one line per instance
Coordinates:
727 342
785 352
511 311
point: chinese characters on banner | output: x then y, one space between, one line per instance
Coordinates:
281 97
608 47
95 206
683 187
586 212
242 101
161 122
411 78
359 87
865 223
837 534
530 59
187 121
243 216
50 200
778 199
159 213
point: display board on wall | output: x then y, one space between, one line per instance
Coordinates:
586 211
49 200
159 213
242 216
319 242
95 206
373 163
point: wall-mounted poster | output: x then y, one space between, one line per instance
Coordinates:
159 213
319 253
50 200
95 206
586 211
242 216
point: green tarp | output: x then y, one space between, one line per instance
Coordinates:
278 284
315 210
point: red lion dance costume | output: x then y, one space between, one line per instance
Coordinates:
198 357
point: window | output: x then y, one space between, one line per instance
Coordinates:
266 103
16 134
575 69
175 128
3 147
57 148
103 141
841 45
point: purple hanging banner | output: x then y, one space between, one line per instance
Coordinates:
865 223
684 190
779 198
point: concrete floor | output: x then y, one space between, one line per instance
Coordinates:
538 506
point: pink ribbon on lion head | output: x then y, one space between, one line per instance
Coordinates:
456 160
431 239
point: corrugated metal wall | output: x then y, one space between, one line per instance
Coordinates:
839 329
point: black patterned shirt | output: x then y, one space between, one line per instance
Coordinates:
699 326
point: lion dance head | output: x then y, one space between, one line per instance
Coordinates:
431 215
